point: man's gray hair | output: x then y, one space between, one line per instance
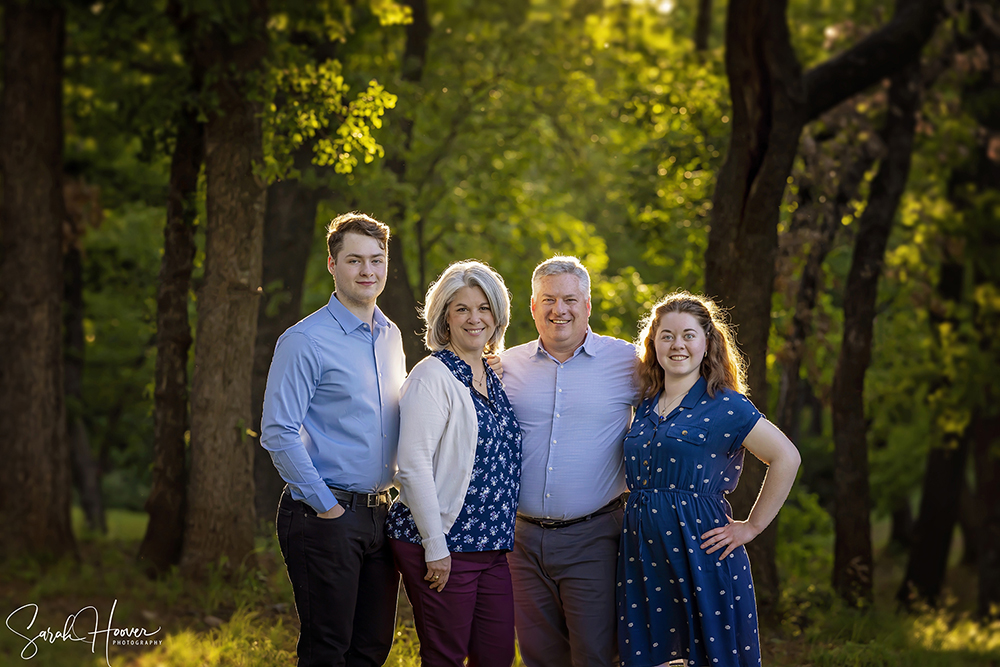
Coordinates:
561 264
442 292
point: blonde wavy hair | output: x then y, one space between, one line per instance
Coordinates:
723 366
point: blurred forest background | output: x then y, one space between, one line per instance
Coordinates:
829 171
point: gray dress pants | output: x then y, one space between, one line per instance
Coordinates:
564 592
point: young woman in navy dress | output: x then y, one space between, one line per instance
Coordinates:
685 594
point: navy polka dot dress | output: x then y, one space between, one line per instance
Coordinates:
674 600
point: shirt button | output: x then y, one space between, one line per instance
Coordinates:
550 467
553 442
560 390
557 414
548 495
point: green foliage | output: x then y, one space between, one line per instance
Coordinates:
119 356
805 541
305 103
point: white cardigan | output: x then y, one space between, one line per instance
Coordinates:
438 432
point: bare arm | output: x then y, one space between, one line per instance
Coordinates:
771 446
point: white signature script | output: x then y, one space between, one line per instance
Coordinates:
76 629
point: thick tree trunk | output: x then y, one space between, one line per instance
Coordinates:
771 103
86 473
220 517
398 300
161 546
765 85
35 484
852 574
289 223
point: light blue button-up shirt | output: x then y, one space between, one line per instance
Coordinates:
573 416
331 407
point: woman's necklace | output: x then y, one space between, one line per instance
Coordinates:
664 408
479 384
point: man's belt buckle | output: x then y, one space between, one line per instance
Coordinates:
373 499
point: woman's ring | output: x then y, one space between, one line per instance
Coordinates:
436 577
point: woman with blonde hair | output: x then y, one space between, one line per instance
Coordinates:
459 477
685 592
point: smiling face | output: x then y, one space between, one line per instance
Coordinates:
561 312
359 271
680 345
470 321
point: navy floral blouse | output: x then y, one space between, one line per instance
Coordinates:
486 522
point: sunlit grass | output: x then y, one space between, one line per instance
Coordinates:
246 640
247 618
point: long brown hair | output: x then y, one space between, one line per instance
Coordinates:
723 366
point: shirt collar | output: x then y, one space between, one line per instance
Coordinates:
695 393
348 320
693 397
589 347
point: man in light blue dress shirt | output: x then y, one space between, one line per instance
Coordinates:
331 425
573 392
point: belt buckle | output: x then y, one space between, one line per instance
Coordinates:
549 524
372 499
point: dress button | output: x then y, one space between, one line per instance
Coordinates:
684 432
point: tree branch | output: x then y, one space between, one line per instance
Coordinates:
879 55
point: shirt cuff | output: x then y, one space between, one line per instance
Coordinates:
322 500
435 548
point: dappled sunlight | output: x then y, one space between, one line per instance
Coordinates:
941 632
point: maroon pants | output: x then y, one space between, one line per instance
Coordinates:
472 617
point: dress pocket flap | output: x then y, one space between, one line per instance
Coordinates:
696 435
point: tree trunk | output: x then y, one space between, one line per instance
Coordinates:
986 447
818 222
220 517
161 546
969 524
852 567
289 223
772 101
398 300
765 85
901 528
939 501
944 474
86 473
703 25
35 484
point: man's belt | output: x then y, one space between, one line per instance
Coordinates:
350 500
552 524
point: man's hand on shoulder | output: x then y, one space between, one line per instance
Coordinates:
494 361
334 512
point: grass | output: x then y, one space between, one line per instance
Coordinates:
248 619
